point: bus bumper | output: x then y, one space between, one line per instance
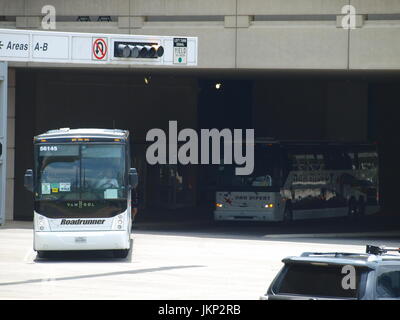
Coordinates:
93 240
220 215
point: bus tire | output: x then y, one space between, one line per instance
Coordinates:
288 213
42 254
121 254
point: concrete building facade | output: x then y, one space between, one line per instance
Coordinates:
240 34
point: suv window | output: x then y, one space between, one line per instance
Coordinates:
316 280
388 283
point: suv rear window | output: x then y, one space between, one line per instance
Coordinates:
316 280
388 284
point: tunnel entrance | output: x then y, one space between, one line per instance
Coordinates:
341 107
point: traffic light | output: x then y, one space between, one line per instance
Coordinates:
137 50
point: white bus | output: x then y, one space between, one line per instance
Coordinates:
300 180
82 183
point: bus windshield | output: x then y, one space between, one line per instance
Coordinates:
265 173
80 172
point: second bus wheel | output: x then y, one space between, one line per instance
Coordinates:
361 206
353 208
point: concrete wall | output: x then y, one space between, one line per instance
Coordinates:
384 97
102 99
241 34
347 110
313 109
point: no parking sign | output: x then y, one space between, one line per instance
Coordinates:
99 49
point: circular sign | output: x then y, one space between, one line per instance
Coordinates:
99 49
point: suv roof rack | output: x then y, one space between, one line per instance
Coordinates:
370 249
336 254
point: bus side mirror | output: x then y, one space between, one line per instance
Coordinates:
28 180
133 177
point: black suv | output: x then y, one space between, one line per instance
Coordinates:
338 275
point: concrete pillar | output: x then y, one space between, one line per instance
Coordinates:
3 139
10 145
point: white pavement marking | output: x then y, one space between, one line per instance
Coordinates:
30 256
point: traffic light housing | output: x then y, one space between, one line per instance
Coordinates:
141 50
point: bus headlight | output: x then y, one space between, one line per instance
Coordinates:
269 205
41 223
219 205
119 222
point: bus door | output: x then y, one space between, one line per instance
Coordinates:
172 186
139 162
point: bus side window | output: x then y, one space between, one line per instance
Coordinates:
337 160
310 162
368 160
299 162
319 163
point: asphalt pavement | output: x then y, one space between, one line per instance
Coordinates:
173 262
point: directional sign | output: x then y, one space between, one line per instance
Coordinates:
99 49
55 47
14 45
88 48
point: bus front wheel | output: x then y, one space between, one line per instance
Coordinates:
121 254
42 254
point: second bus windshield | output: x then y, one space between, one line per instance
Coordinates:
265 174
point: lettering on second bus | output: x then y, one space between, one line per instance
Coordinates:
251 197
